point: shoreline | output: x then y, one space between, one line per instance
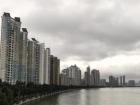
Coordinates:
40 97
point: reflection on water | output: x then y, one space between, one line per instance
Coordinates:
102 96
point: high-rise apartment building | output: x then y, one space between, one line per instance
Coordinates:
122 80
103 82
87 77
95 77
64 80
54 70
113 81
12 42
73 74
22 54
131 83
30 61
47 66
41 63
33 61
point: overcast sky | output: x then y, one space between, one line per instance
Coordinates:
104 34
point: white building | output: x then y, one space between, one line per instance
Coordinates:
47 66
41 63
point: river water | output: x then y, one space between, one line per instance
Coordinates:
101 96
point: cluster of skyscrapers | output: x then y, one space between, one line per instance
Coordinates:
115 81
23 59
121 81
72 76
91 78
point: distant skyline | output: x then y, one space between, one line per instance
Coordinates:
104 34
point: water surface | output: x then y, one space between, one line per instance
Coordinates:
101 96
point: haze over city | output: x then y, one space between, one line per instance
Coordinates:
101 33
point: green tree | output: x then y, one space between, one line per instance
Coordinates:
3 99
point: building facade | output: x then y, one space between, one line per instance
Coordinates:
131 83
113 81
47 66
122 80
103 82
54 70
41 63
87 77
72 75
33 62
22 50
95 77
13 42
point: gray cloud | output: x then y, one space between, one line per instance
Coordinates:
87 29
90 30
